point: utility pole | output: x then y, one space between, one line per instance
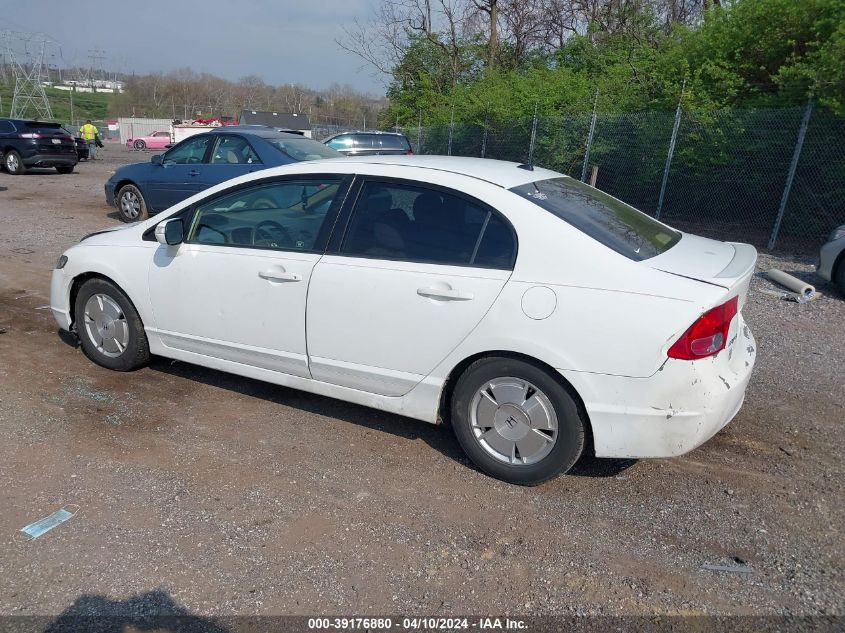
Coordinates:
29 72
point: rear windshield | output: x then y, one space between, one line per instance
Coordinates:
607 220
38 127
303 148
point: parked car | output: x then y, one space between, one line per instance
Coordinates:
156 140
25 144
82 151
369 143
541 317
831 264
201 161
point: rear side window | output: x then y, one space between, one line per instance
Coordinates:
6 127
390 141
413 223
615 224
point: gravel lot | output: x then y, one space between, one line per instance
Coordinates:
225 496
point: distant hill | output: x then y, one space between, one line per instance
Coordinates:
86 105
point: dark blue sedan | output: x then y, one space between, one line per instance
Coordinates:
201 161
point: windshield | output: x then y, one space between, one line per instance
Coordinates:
604 218
303 148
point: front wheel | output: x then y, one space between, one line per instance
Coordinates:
110 330
131 205
14 164
64 169
516 422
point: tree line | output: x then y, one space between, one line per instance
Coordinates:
186 94
483 60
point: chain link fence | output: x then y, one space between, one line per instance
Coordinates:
771 177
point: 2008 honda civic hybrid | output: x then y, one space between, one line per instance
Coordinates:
541 317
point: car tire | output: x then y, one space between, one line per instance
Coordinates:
839 276
501 404
139 145
110 331
131 205
64 169
13 163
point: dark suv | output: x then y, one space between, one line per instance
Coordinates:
36 144
369 143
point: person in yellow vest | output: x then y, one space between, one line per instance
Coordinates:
89 133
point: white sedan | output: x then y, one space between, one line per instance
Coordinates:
539 316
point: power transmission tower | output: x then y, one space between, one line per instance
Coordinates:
30 74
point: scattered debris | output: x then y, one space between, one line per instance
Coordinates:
47 307
734 569
799 291
36 529
788 451
3 329
792 296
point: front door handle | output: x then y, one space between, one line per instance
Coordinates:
446 294
273 275
194 172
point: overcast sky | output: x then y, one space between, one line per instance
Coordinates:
281 41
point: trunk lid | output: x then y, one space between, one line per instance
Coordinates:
726 264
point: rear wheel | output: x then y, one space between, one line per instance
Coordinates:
131 205
110 330
64 169
839 276
515 421
14 164
139 144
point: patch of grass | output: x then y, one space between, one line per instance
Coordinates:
86 105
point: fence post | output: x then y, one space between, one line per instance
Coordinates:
671 153
590 139
790 176
533 137
451 127
484 136
419 135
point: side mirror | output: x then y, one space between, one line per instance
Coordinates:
156 160
170 232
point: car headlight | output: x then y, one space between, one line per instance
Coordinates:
838 233
60 263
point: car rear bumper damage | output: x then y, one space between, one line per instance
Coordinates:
677 409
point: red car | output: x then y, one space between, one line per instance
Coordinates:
156 140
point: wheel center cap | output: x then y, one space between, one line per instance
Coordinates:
511 422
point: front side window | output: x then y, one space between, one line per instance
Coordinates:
285 215
233 150
615 224
415 223
188 152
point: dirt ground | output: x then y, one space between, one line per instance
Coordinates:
220 495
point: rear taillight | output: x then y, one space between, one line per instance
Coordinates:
30 135
708 335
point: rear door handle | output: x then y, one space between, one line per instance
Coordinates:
194 172
442 293
272 275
